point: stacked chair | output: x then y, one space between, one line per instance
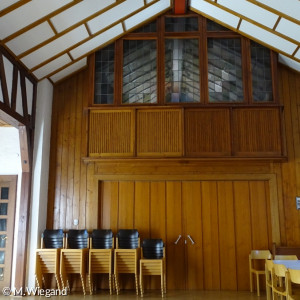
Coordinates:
73 259
81 254
256 256
126 255
48 257
100 256
153 262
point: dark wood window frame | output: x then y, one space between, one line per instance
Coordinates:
202 35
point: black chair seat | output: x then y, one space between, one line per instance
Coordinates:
102 239
53 238
78 239
153 248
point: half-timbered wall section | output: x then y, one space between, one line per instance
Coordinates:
17 91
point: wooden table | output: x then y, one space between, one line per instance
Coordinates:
290 264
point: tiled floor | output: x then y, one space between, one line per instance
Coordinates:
151 295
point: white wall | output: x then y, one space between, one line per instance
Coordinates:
10 164
39 193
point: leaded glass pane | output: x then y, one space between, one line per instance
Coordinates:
3 238
213 26
151 27
225 81
3 224
181 24
261 73
139 72
2 257
104 75
4 193
182 82
3 209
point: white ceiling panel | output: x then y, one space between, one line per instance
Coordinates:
29 94
6 3
30 38
97 41
252 11
297 55
78 13
113 15
149 1
288 7
267 37
289 28
8 68
147 13
215 12
28 14
69 70
19 105
60 44
52 66
289 62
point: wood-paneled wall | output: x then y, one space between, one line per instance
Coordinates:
73 183
223 218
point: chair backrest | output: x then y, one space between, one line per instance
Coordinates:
279 270
102 239
268 269
128 239
77 239
260 254
286 257
294 276
153 248
53 239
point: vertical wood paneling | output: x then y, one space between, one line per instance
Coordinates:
126 205
142 208
227 236
111 133
159 132
158 210
257 132
289 85
191 201
259 216
68 174
242 232
211 259
174 253
207 132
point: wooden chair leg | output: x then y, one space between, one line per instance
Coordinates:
110 283
251 282
162 284
137 284
91 283
141 284
83 282
257 285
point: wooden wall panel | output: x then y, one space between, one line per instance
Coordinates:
221 217
227 238
192 210
242 232
174 252
207 132
68 174
159 132
111 133
257 132
289 94
211 259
